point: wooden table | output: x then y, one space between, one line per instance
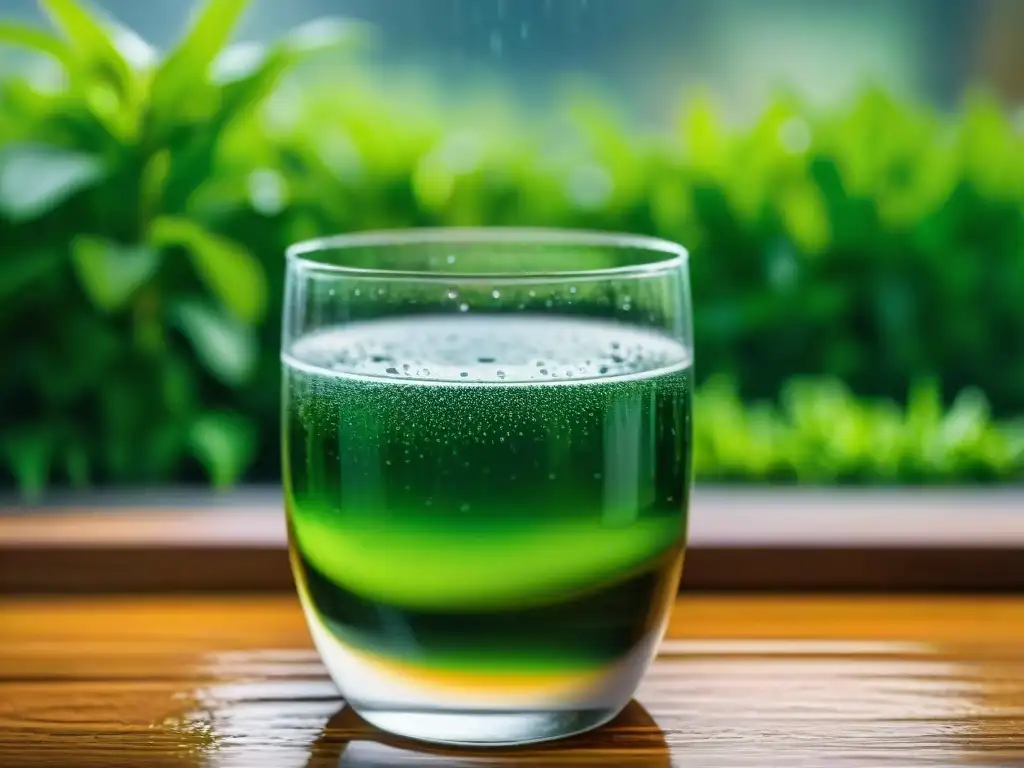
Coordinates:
742 681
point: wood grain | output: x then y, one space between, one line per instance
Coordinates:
741 681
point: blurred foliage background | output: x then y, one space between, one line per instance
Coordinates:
858 270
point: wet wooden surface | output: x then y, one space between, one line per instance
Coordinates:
742 681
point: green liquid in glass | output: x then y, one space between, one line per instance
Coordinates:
498 494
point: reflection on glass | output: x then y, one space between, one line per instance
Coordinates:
632 740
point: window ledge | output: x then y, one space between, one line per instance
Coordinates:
740 539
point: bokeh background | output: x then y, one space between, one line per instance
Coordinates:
849 177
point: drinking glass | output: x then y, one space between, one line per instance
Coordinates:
486 471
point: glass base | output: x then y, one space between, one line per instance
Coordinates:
485 729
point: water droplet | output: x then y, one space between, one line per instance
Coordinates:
486 360
380 291
451 259
380 359
357 292
597 475
501 374
626 307
603 369
330 292
549 303
463 307
552 476
671 499
496 294
464 508
533 294
426 371
572 289
452 293
544 371
392 371
464 374
406 367
388 462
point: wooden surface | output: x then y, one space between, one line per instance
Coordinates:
767 539
741 681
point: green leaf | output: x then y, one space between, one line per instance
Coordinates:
36 40
36 178
189 63
93 38
225 444
249 72
226 347
110 273
231 273
29 454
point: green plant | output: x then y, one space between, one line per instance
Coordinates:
145 201
821 433
127 318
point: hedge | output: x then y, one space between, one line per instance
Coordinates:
146 199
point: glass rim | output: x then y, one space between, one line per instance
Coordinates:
666 255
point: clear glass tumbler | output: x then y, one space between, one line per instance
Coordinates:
487 470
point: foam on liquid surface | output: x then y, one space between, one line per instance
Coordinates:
487 350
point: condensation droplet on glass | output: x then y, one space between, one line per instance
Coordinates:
544 371
392 371
451 259
533 294
496 294
572 289
549 303
463 307
380 291
357 292
552 476
452 293
330 292
464 374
